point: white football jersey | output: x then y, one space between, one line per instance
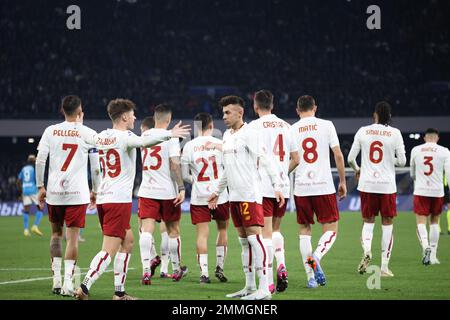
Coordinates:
156 177
117 151
277 142
314 137
241 151
379 145
67 182
206 166
428 163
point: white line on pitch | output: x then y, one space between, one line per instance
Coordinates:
44 278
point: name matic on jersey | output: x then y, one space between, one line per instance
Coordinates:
309 127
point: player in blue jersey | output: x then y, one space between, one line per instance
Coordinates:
26 182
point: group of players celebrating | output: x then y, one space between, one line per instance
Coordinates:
245 175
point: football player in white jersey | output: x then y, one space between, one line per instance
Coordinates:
164 259
242 149
278 143
67 192
382 149
202 167
427 163
117 150
160 195
314 190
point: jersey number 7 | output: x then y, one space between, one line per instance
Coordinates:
73 148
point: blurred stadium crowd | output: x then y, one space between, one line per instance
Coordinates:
159 51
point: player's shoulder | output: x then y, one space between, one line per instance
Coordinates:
395 131
443 149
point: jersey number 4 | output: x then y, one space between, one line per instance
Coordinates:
278 148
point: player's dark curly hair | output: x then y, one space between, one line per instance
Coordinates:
383 110
227 100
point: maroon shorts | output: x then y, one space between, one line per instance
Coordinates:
424 206
201 214
114 218
271 208
247 214
74 216
372 203
324 206
159 210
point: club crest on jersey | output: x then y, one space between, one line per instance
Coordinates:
64 183
311 175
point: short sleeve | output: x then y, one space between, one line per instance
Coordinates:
20 176
44 144
174 147
293 137
400 146
333 137
186 155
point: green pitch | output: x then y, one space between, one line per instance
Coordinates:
25 259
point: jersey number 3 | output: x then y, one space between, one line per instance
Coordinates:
428 163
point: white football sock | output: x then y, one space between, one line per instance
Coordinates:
366 238
221 253
56 269
260 255
203 264
326 241
387 242
175 252
278 248
69 270
145 244
98 265
153 252
305 251
269 262
121 262
164 253
422 234
247 264
434 240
